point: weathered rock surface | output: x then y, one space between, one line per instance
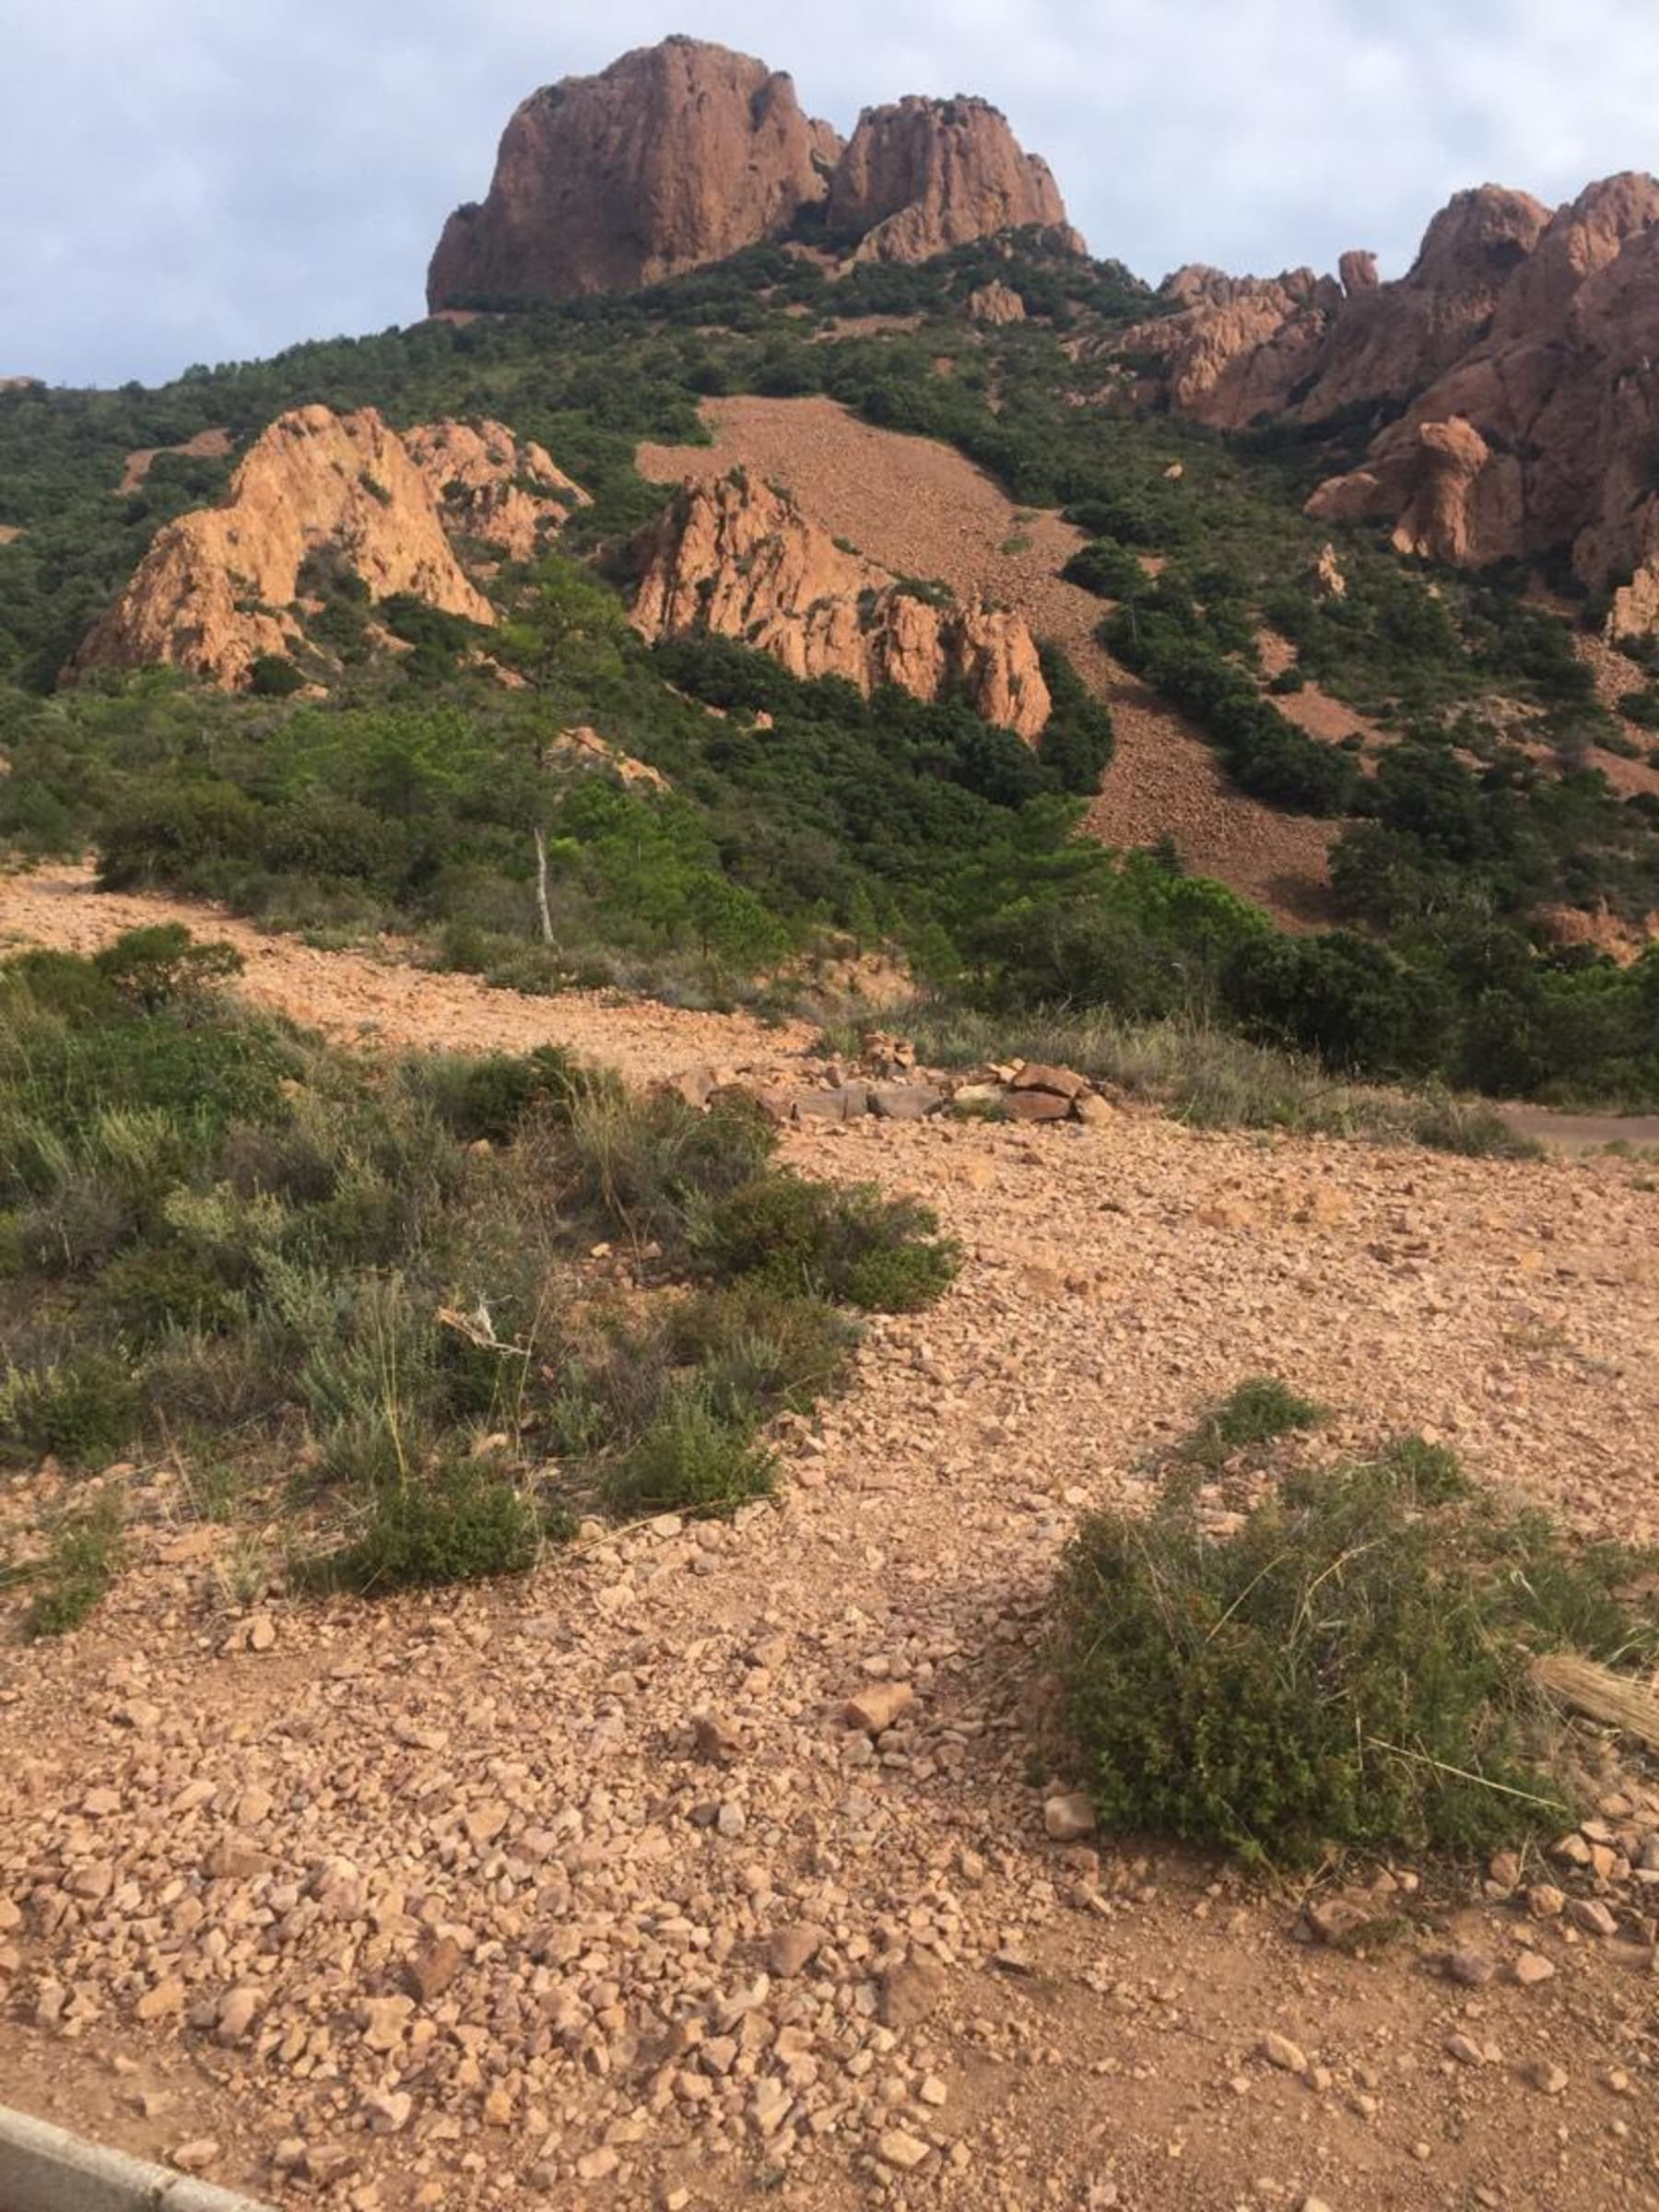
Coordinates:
220 588
996 303
490 486
1239 346
1517 357
739 559
1539 436
675 156
924 175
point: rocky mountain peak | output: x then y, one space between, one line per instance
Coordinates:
683 154
675 156
921 176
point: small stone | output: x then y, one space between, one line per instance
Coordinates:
1466 2050
1067 1817
933 2091
1592 1916
794 1948
1530 1968
387 2110
874 1710
1280 2052
911 1990
1470 1968
384 2022
431 1969
239 2008
731 1820
597 2165
717 1740
99 1803
498 2113
1544 1901
1542 2074
485 1823
1334 1920
166 1998
262 1632
197 2155
905 2151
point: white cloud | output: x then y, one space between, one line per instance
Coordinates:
183 180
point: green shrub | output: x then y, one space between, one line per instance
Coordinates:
761 1352
691 1461
83 1562
83 1409
846 1244
1258 1410
162 964
488 1095
1348 1668
461 1525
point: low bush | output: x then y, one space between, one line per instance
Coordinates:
1259 1410
213 1226
83 1560
1348 1668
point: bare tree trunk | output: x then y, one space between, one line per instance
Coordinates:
541 885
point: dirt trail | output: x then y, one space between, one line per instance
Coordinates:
923 510
246 1817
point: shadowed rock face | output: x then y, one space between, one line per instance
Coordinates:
675 156
219 588
1520 357
739 560
679 155
924 175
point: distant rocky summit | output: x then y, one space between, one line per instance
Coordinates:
680 154
225 587
924 175
738 559
1515 367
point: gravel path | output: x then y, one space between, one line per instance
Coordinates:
586 1892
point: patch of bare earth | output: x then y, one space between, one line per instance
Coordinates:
9 533
451 1902
1312 709
207 445
922 509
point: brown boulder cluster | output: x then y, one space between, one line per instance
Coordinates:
222 588
1519 358
740 559
888 1083
682 154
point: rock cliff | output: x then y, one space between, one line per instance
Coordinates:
924 175
740 560
220 588
679 155
675 156
1516 361
491 487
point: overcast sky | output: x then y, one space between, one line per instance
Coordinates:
211 179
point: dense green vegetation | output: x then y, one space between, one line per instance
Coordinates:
365 1289
413 796
1348 1668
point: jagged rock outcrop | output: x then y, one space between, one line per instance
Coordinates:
1541 434
1358 270
1240 345
584 748
491 488
924 175
996 303
740 560
220 588
675 156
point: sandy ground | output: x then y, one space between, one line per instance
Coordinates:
450 1902
921 509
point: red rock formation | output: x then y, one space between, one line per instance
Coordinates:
491 487
219 588
675 156
1240 345
1540 435
924 175
740 560
996 303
